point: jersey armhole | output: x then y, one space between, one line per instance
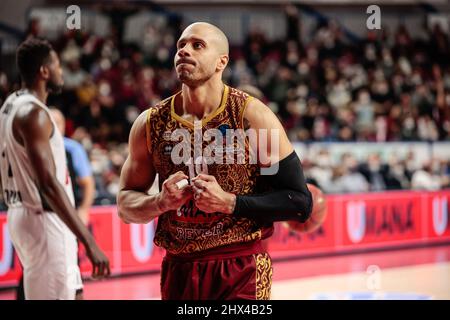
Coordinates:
53 131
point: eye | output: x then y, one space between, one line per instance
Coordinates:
181 45
198 45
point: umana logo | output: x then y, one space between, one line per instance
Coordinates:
440 215
141 237
356 220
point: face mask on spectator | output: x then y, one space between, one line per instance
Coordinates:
447 99
104 89
105 64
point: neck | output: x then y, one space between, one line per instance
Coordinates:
39 90
202 100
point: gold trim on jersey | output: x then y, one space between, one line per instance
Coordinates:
189 124
263 276
147 132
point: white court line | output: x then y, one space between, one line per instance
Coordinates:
428 279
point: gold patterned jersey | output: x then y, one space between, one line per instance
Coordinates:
188 229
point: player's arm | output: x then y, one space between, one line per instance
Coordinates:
135 205
87 184
35 129
290 198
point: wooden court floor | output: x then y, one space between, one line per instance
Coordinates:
422 273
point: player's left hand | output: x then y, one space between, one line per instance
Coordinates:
210 197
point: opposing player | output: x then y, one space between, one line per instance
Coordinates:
42 220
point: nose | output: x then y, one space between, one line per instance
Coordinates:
183 52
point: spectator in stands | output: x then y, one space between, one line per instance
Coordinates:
346 178
346 181
320 169
428 177
374 171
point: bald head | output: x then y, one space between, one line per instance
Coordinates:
213 33
202 54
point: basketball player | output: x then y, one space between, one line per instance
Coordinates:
211 229
42 220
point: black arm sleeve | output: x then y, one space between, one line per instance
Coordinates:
290 199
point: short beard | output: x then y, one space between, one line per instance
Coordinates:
190 81
54 88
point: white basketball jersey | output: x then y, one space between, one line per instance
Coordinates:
20 188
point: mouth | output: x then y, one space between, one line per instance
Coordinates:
185 61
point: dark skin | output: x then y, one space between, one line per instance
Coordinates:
32 128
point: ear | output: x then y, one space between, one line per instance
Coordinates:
44 72
222 63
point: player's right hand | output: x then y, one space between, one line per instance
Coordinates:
171 197
100 262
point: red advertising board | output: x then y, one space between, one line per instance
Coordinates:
437 223
103 227
367 221
129 247
137 250
10 268
287 243
354 222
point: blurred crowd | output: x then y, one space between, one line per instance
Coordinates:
348 175
386 87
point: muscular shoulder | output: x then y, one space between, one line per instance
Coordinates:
31 120
277 145
140 123
138 141
257 115
29 112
